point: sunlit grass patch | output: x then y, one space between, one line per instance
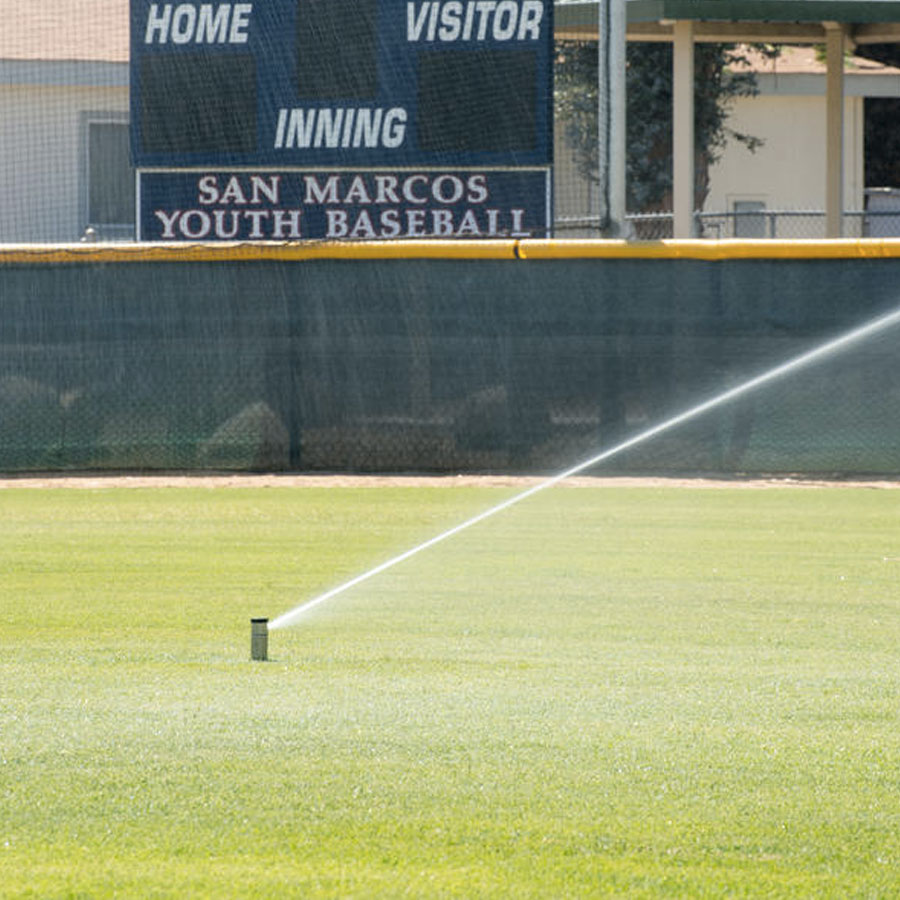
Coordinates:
606 692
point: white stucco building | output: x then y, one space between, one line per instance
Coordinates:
64 115
787 174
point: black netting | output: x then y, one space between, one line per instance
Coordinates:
442 365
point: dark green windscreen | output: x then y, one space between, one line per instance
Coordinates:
443 365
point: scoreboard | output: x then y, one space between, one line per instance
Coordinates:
368 118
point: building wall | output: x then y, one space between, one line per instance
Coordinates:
788 171
43 158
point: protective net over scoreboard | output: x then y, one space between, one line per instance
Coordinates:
310 120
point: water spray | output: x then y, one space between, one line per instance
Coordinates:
829 348
259 640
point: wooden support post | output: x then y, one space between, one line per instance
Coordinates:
834 130
683 129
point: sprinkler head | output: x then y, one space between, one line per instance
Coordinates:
259 640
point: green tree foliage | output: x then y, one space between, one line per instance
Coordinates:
649 117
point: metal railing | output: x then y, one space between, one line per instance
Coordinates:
767 224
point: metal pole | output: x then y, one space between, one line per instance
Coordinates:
611 112
619 143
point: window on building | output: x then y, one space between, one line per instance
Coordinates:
749 221
882 142
109 178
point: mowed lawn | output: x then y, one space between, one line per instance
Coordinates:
605 691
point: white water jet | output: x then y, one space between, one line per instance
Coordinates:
829 348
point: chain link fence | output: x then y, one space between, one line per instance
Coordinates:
776 224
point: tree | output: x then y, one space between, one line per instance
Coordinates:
649 117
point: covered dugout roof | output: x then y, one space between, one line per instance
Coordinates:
769 21
839 24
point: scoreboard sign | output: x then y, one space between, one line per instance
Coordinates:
288 119
341 83
380 204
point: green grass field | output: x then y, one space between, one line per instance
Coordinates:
607 691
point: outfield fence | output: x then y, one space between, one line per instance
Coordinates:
443 357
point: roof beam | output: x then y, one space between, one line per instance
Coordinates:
734 32
774 12
708 32
888 33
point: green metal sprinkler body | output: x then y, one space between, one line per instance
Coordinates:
259 640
